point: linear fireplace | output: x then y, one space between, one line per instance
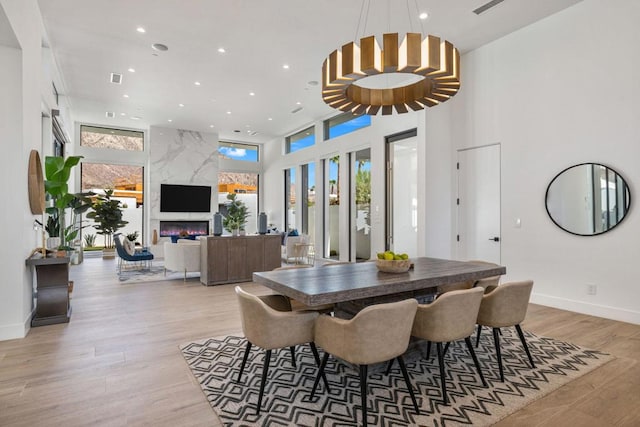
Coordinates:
193 228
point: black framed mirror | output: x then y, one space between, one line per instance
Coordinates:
588 199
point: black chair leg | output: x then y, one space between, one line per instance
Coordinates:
265 369
316 356
244 359
467 340
524 344
293 355
389 366
446 348
496 341
428 349
443 380
403 368
320 374
478 335
363 393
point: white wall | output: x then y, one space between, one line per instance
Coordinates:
560 92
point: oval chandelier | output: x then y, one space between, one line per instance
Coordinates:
434 62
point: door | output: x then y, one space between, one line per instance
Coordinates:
479 203
360 204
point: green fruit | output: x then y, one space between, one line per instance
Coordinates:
397 257
404 256
388 256
380 255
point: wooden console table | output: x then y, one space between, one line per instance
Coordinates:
52 292
232 259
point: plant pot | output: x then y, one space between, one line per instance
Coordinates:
53 242
108 253
235 232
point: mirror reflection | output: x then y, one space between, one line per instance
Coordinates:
588 199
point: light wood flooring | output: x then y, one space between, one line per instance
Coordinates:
118 363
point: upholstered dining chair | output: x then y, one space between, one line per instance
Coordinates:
488 283
269 323
449 318
505 306
378 333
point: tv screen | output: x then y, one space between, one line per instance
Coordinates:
185 198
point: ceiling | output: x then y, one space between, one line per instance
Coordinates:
93 38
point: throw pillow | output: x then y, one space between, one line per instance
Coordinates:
129 246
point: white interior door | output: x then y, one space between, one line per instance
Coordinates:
479 203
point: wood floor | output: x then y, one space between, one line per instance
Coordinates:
117 362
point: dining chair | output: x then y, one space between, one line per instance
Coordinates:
378 333
449 318
269 323
505 306
487 283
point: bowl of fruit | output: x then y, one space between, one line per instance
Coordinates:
390 262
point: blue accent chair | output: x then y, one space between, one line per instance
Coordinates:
142 259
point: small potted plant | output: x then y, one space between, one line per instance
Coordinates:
237 214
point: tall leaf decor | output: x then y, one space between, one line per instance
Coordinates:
107 214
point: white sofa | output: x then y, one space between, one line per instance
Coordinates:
182 256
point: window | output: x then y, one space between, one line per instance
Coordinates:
245 185
303 139
116 139
308 184
344 123
290 199
332 207
238 151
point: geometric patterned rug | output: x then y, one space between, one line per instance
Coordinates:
155 273
215 363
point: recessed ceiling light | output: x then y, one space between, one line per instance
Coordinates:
170 120
125 96
423 15
132 70
298 103
135 118
123 114
141 30
269 119
221 50
211 126
252 94
196 83
159 47
285 66
110 114
228 112
180 105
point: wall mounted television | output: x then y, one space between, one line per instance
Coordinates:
185 198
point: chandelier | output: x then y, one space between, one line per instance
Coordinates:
431 68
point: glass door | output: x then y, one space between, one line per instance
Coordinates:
360 207
332 207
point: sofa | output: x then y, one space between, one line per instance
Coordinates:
182 256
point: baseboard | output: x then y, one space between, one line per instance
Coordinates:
597 310
15 331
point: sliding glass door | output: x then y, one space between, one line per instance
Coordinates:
360 206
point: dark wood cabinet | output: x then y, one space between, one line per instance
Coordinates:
52 290
232 259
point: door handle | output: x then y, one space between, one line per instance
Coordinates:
495 239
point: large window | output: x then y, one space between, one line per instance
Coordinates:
332 207
309 195
116 139
245 185
299 140
290 199
238 151
344 123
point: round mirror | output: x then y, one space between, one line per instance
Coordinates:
588 199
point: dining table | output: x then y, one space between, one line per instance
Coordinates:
353 286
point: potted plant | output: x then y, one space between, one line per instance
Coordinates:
107 214
237 214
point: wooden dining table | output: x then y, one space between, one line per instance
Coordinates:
351 287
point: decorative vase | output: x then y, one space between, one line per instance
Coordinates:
262 223
235 232
217 224
53 242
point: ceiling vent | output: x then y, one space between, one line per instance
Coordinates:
295 110
116 78
487 6
110 114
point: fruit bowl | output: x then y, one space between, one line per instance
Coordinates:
393 266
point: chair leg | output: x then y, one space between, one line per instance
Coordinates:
185 275
524 344
446 348
478 335
265 369
293 355
244 359
496 341
467 340
389 366
403 368
320 373
316 356
363 393
443 382
428 349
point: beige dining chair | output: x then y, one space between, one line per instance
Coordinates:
449 318
297 305
378 333
505 306
488 283
269 323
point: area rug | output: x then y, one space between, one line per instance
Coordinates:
139 274
215 363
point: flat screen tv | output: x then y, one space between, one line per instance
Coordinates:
185 198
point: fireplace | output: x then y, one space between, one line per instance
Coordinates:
193 228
